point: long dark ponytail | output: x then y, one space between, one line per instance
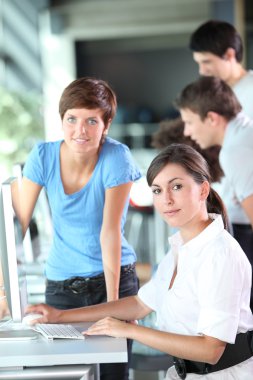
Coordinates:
195 165
215 205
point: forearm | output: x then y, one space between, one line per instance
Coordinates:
110 236
197 348
111 254
112 279
127 309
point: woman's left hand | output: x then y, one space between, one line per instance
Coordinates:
109 326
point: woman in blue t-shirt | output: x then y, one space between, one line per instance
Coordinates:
87 177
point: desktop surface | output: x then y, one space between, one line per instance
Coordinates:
43 352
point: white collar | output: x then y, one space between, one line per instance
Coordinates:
196 244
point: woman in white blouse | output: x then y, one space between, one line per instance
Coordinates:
201 289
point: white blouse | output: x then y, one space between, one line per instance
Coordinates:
211 291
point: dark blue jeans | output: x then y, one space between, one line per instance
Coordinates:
79 292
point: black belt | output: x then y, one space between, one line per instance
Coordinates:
77 284
233 354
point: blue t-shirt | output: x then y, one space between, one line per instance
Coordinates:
77 218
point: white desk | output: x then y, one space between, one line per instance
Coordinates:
20 358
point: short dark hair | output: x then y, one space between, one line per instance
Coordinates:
90 93
209 94
172 131
195 165
216 37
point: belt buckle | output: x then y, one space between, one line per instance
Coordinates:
76 285
180 367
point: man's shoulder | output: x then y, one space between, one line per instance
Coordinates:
242 124
237 147
249 74
245 81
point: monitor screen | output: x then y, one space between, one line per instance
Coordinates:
12 255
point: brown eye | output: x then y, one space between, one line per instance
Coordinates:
177 187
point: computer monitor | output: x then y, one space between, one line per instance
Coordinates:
11 250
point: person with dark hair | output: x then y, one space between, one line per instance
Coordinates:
218 50
209 94
88 177
172 131
211 115
201 289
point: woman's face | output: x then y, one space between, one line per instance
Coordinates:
83 129
178 198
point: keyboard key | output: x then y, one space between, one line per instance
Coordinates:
58 331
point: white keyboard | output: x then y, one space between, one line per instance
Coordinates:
58 331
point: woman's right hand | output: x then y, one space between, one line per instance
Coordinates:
48 313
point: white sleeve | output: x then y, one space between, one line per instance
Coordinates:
147 293
240 175
221 289
151 292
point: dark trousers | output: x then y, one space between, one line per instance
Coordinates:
244 235
79 292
